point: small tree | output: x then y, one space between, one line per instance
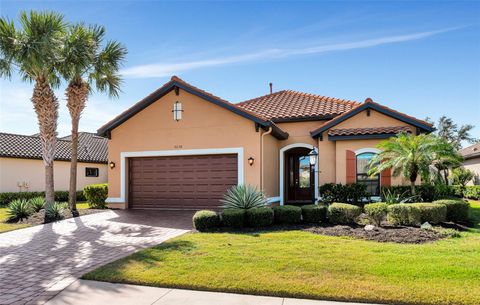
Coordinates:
461 176
410 155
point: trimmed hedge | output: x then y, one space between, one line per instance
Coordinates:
457 209
337 192
343 213
313 213
287 214
376 212
259 217
432 212
61 196
234 218
404 214
96 195
205 220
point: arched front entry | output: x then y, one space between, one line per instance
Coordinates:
298 180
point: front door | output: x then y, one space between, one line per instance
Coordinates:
300 179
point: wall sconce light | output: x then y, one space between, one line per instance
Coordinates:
111 164
250 161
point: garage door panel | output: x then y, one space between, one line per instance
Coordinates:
180 182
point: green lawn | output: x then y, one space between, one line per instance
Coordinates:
5 227
302 264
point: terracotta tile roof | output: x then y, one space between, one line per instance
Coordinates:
472 151
370 104
91 148
368 131
289 104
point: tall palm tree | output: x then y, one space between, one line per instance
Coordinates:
33 51
88 63
411 156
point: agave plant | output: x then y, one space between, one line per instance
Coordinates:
243 197
18 209
37 203
391 197
53 212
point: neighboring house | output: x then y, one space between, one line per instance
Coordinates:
182 147
22 169
471 155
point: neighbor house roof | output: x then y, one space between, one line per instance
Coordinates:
91 148
471 152
289 105
174 83
369 104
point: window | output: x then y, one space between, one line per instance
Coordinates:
91 172
372 182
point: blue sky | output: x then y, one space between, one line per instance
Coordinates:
422 58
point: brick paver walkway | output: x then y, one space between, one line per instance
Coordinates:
37 263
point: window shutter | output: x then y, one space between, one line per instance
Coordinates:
351 167
386 178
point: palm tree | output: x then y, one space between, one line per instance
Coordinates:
86 65
33 51
411 156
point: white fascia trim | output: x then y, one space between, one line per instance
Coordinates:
367 150
177 152
273 199
282 168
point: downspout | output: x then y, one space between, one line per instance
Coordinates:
269 131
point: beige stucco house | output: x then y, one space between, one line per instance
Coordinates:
471 155
182 147
22 169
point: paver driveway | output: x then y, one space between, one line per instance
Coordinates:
38 262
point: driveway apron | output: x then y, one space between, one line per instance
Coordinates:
37 263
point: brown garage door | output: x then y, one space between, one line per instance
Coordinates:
180 182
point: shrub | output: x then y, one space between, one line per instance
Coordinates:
332 192
243 197
234 218
287 214
424 192
403 214
472 192
96 194
37 203
259 217
457 209
392 196
343 213
432 212
314 213
53 211
18 209
205 220
376 212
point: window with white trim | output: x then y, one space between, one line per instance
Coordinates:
372 182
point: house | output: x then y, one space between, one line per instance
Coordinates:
22 169
182 147
471 155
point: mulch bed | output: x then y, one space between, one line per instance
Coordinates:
403 235
39 217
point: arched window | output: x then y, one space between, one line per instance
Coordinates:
372 182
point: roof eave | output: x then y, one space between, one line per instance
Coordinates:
364 106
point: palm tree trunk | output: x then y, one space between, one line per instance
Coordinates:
46 107
77 93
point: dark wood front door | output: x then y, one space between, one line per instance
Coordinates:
299 176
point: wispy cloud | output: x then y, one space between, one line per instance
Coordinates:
161 70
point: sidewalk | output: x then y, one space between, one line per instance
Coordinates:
92 293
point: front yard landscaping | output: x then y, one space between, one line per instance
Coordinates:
296 263
6 226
